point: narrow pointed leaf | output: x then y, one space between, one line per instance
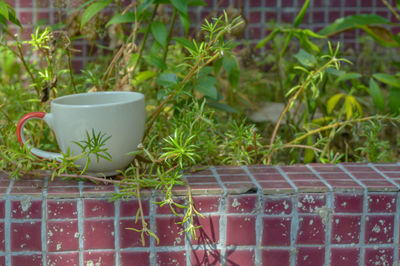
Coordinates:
301 14
376 94
387 79
332 102
93 10
159 32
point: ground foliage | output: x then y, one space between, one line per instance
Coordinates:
200 89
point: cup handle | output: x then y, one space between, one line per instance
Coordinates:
21 138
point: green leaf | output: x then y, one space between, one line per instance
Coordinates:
128 17
185 43
348 76
206 86
376 95
334 71
300 16
306 59
350 22
143 76
180 5
184 18
332 102
312 34
4 10
222 106
264 41
387 79
306 43
92 10
398 4
167 80
382 35
309 153
159 32
196 3
394 100
231 66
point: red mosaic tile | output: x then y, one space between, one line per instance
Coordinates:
276 231
128 257
345 256
35 259
329 168
2 237
42 3
25 3
62 209
97 191
383 202
26 209
379 229
309 203
2 209
380 256
25 17
63 259
62 235
202 257
26 236
99 258
236 257
346 229
311 186
169 232
254 17
276 187
381 185
344 185
393 175
230 170
348 202
204 189
98 208
169 258
93 230
209 231
303 177
242 204
206 204
240 230
275 257
335 176
368 176
358 168
277 205
235 178
201 179
129 208
310 256
24 191
265 169
388 168
295 169
269 177
311 230
129 238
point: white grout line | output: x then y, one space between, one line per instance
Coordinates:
44 221
296 190
363 216
223 217
7 223
259 224
320 178
79 207
116 227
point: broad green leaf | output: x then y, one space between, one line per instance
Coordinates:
83 5
394 100
4 10
332 102
155 61
180 5
184 17
348 76
143 76
231 66
3 20
301 14
185 43
306 59
382 35
206 86
309 153
350 22
376 95
348 107
387 79
92 10
222 106
167 80
264 41
196 3
334 71
159 32
128 17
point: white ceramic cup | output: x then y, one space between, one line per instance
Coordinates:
120 115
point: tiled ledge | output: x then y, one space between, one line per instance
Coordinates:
344 214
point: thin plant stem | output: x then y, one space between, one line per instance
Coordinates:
390 7
171 26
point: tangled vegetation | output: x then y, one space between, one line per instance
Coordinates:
202 93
